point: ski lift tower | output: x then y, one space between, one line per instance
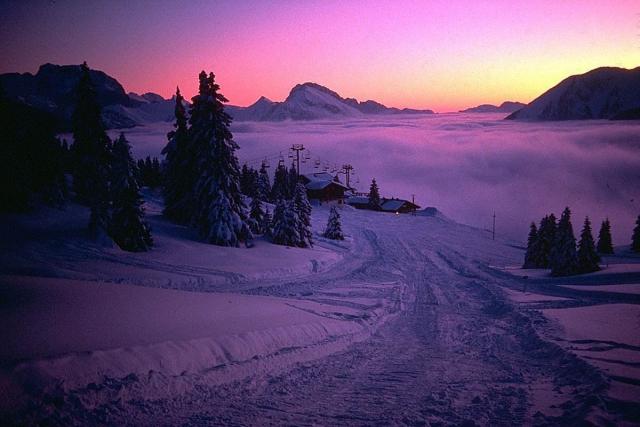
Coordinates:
346 170
297 148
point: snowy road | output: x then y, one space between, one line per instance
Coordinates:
454 351
457 352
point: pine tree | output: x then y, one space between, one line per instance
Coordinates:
267 224
280 188
244 180
635 238
546 240
285 224
564 260
530 257
292 180
374 195
605 243
588 258
263 184
219 213
256 216
128 227
303 211
180 169
92 156
334 228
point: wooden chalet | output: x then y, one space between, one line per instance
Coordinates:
324 187
386 205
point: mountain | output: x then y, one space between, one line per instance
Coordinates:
311 101
505 107
603 93
52 89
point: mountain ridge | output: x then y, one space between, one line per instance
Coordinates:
312 101
602 93
505 107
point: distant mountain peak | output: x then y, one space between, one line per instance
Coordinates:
311 101
505 107
602 93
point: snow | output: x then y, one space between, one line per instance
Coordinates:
80 331
606 322
630 288
526 297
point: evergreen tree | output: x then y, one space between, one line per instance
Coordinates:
263 184
588 258
92 154
180 169
285 224
564 260
33 159
334 228
532 255
292 180
267 224
244 180
303 211
635 238
128 227
374 195
280 188
546 240
219 213
256 216
605 243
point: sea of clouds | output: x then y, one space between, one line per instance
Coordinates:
466 165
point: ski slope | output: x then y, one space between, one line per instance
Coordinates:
410 321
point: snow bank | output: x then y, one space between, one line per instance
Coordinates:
69 335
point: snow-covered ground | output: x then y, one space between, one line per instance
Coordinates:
408 321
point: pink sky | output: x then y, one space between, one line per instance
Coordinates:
443 55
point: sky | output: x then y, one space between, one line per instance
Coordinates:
443 55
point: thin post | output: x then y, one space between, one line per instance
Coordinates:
493 232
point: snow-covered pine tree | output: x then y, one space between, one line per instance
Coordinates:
128 227
635 238
564 259
530 256
179 169
267 223
588 258
546 240
263 184
292 179
605 243
92 156
334 228
219 211
244 180
374 195
256 216
303 210
280 188
285 224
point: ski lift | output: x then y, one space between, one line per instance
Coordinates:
290 155
307 155
316 164
266 164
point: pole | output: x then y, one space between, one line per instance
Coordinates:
297 148
347 171
493 233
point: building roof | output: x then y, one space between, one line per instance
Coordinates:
392 205
358 200
320 181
